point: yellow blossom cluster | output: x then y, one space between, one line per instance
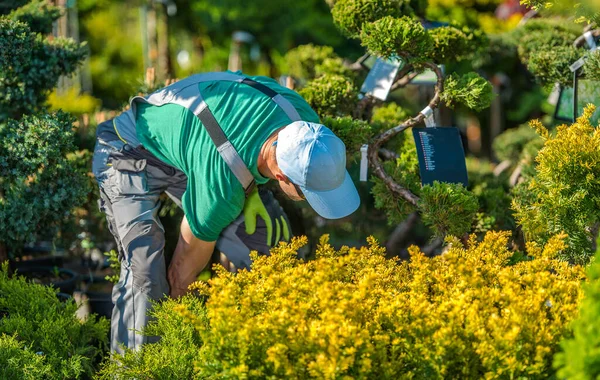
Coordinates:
353 314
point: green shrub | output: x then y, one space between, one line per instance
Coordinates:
545 46
39 15
173 356
331 95
405 172
469 90
580 358
447 208
311 61
564 193
351 15
455 44
35 322
510 144
19 362
390 37
388 116
39 181
354 133
354 314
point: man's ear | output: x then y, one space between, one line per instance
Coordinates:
281 177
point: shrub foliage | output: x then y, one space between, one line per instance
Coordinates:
41 337
564 193
353 313
39 181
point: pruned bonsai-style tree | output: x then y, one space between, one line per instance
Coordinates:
394 30
40 176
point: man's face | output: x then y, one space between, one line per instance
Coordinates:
292 191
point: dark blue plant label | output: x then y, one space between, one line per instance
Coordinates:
441 155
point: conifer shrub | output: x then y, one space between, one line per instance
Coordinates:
352 313
563 194
310 61
39 178
331 95
41 337
580 357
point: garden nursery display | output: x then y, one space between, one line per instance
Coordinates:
471 133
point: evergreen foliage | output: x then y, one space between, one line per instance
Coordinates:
331 95
390 37
352 132
563 195
580 357
310 61
510 144
173 356
545 46
352 15
455 44
448 209
469 90
405 172
39 182
352 313
35 322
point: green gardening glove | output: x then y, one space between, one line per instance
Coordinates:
254 208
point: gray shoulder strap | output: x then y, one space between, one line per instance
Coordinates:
187 94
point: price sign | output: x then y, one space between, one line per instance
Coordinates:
441 155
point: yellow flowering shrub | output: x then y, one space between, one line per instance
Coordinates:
352 313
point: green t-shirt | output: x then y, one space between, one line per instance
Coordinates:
214 197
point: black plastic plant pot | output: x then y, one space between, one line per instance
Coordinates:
43 261
60 278
99 293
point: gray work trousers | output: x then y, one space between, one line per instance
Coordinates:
129 196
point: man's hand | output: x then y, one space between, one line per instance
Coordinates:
254 208
190 257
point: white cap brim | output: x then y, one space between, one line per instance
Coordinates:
334 204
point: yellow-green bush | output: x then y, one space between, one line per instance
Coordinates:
564 193
351 313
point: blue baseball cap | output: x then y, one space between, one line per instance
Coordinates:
314 158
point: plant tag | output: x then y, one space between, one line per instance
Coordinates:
589 39
364 162
381 78
429 118
577 64
441 155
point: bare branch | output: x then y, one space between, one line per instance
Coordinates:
387 154
384 137
404 80
358 65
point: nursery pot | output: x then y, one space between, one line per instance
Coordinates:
43 261
99 293
60 278
42 254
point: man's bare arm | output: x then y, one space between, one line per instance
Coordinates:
190 257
